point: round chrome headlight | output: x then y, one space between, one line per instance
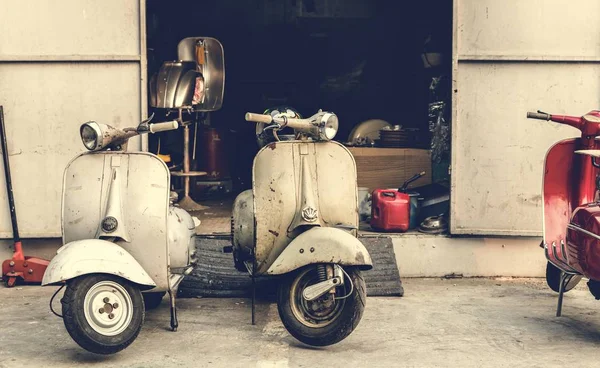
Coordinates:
91 135
328 126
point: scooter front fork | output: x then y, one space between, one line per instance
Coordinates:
174 322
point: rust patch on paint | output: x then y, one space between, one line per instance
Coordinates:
360 258
271 146
274 232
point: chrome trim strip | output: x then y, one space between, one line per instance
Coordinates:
577 228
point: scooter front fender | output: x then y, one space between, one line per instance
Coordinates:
88 256
322 245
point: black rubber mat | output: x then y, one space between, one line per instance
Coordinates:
215 276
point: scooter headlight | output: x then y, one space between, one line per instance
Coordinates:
328 126
91 135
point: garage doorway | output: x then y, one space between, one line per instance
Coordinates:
362 59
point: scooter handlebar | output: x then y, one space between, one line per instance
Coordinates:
301 124
538 115
163 127
259 118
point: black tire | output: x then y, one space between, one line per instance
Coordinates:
152 300
77 324
348 311
553 279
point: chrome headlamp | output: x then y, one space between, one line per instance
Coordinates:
328 126
91 135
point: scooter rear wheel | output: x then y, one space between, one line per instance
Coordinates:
102 313
553 279
325 321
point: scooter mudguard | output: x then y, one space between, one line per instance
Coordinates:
564 186
83 257
322 245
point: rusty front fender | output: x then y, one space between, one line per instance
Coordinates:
322 245
88 256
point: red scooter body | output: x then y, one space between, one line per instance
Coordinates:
571 207
564 191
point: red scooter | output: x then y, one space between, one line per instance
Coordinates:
571 206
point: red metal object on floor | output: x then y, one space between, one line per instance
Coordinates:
390 210
21 268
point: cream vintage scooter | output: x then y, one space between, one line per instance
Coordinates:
300 220
125 246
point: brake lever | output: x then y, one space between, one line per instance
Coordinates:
144 127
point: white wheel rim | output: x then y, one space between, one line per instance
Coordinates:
108 308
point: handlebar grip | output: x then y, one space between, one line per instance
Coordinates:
162 127
537 115
258 118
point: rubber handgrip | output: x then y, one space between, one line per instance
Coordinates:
258 118
162 127
537 115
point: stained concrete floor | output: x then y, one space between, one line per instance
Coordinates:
438 323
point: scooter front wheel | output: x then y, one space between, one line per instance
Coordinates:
328 319
553 278
102 313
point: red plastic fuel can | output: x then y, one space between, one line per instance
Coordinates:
390 210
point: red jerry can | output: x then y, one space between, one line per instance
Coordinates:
390 210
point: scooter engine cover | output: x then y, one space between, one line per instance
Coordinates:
583 240
242 225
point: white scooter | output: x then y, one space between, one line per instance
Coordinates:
125 245
300 220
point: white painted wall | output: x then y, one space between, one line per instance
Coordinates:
63 63
510 57
437 256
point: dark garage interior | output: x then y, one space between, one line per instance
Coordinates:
358 58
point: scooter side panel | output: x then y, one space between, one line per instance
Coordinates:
143 187
281 194
583 243
561 187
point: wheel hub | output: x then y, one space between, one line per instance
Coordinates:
316 313
108 308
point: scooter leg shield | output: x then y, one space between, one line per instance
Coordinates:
89 256
322 245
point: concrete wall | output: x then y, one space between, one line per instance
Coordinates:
416 255
436 256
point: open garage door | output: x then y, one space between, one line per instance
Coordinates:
511 57
63 63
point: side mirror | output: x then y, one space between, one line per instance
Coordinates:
195 81
176 85
208 54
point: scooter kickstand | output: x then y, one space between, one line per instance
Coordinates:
253 292
174 322
564 280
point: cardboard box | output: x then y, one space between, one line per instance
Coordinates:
383 168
